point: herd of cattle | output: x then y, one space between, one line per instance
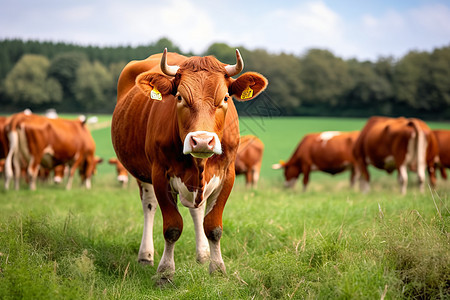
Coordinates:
175 129
386 143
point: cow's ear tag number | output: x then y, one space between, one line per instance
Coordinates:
155 94
247 93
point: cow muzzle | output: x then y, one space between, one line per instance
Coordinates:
202 144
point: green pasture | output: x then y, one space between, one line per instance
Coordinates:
330 242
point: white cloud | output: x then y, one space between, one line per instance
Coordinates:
396 33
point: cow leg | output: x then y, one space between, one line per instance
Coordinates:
432 174
353 176
33 171
172 223
443 172
364 176
249 178
256 171
305 171
201 242
213 223
72 171
403 178
149 204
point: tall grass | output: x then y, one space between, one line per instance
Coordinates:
330 242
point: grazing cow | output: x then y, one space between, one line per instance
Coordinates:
329 151
249 159
45 142
396 144
122 173
443 140
175 129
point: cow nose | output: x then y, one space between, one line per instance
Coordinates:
202 143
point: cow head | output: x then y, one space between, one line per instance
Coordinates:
291 172
122 173
201 89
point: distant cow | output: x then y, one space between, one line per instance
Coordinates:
329 151
175 128
48 142
396 144
122 173
443 140
249 159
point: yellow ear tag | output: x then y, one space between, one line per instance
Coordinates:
155 94
247 93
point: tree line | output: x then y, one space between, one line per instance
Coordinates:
75 78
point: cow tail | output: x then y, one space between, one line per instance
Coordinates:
13 138
421 148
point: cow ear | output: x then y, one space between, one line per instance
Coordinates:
154 85
248 86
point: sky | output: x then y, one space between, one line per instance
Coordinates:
361 29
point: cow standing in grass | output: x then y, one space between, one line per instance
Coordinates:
329 152
396 144
41 141
175 128
249 159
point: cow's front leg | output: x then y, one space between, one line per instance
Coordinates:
201 242
172 223
149 204
213 223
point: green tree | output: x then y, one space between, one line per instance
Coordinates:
64 69
28 84
325 77
94 87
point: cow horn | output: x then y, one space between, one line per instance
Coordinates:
238 67
165 68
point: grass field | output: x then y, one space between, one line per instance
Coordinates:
330 242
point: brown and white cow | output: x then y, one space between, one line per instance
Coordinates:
328 151
122 173
175 128
443 140
41 141
396 144
249 159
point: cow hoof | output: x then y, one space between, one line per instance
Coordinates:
164 282
146 262
217 268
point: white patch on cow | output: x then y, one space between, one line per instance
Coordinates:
27 112
88 183
211 192
187 198
327 135
187 149
57 179
51 114
314 167
122 178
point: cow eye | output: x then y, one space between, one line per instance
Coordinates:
179 98
225 99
